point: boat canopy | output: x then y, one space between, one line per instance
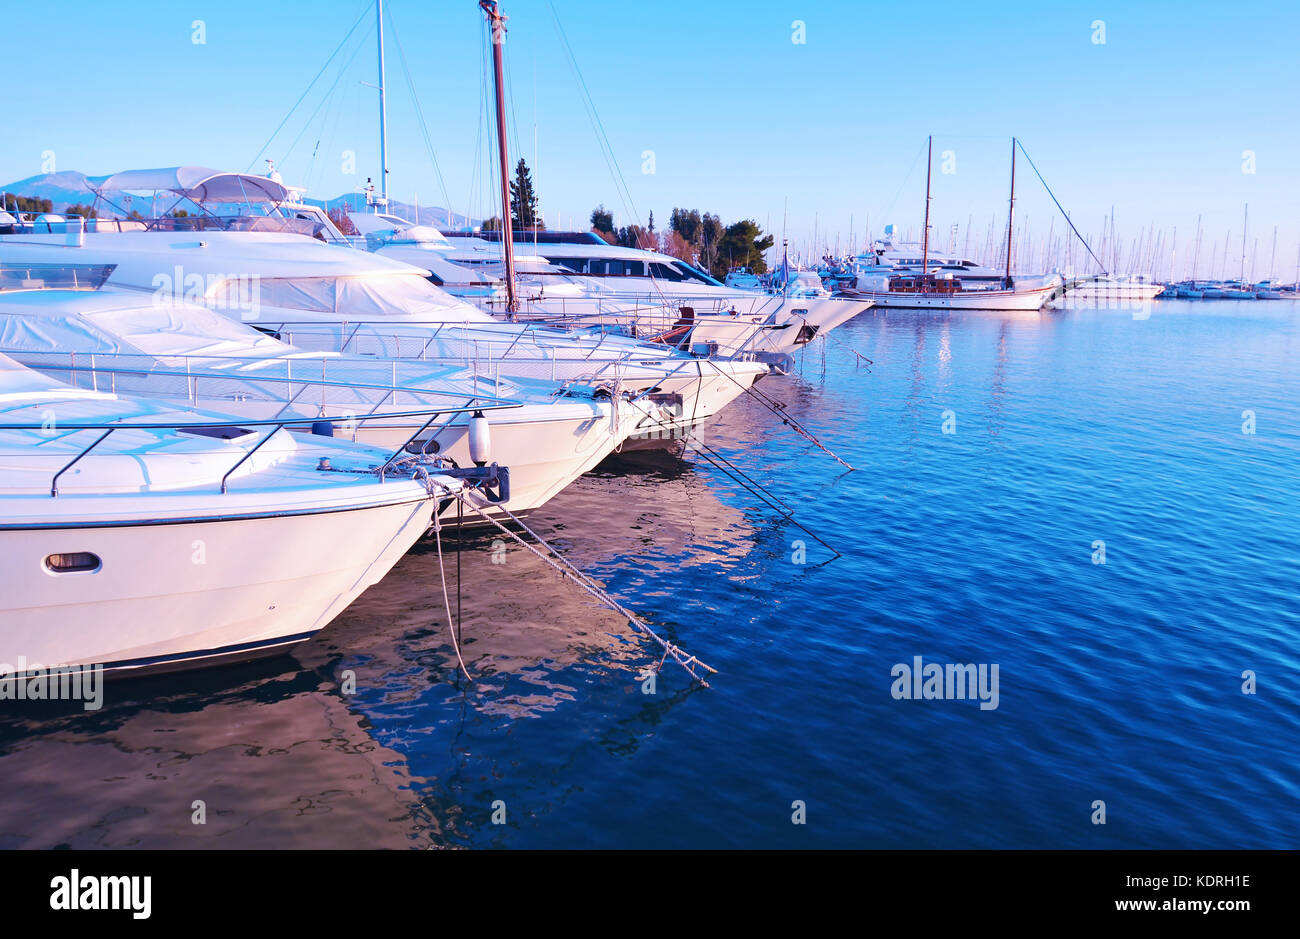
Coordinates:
196 183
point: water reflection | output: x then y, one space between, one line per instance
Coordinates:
369 735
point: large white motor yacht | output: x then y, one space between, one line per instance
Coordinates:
139 537
189 356
327 297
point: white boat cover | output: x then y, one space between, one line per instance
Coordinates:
198 183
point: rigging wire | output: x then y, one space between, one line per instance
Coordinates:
309 87
1058 205
419 112
361 42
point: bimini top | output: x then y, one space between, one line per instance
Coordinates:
196 183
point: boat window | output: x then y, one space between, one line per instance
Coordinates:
577 265
73 561
694 275
615 267
666 272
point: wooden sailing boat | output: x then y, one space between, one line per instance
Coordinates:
940 286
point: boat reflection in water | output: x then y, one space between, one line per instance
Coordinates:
281 755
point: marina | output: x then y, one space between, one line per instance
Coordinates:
928 486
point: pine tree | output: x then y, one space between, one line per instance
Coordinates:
523 200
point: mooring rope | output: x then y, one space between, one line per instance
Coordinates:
749 484
421 473
446 599
778 408
562 565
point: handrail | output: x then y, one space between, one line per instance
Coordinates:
244 458
54 482
492 403
213 424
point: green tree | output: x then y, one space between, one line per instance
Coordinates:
602 222
27 203
741 245
492 224
708 240
687 224
523 200
636 236
84 211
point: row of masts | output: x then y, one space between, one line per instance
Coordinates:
1165 255
1144 258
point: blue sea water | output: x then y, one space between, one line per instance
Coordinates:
1169 446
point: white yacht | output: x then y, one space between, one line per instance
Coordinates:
661 285
551 294
137 537
917 277
327 297
1111 290
910 276
190 356
743 278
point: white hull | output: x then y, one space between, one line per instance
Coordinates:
1022 300
186 593
736 322
1103 293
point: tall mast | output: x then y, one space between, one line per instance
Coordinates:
1011 212
1245 218
383 108
1197 255
925 235
498 24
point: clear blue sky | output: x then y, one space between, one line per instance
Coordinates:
741 119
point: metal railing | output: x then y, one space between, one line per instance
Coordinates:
206 424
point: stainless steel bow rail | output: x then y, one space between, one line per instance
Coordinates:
486 477
49 362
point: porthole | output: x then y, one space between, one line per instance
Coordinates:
73 562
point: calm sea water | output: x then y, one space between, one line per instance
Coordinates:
1119 682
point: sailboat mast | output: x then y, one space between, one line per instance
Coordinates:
1011 212
1244 220
383 108
498 25
1197 255
925 235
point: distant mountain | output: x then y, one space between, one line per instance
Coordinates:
63 189
69 188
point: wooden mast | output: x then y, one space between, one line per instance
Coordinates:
1011 213
498 25
925 235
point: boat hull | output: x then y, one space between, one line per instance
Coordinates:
177 594
1021 300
